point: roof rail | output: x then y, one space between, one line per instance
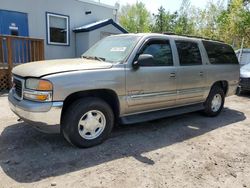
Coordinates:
191 36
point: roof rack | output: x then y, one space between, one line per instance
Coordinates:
191 36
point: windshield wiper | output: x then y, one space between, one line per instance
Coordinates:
100 58
94 57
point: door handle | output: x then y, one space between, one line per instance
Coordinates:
172 75
201 73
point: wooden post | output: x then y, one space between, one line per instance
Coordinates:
42 49
10 63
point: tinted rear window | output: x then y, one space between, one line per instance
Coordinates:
189 53
219 53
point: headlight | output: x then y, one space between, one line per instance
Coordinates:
38 90
37 84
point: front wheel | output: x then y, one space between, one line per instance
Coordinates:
215 101
87 122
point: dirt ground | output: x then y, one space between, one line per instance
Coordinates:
183 151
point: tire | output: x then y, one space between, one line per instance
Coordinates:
216 94
97 121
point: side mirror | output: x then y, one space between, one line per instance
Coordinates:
143 59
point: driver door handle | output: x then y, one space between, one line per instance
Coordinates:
172 75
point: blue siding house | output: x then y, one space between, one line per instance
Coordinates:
68 27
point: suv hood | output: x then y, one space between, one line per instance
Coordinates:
41 68
245 71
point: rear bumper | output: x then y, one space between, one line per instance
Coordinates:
44 116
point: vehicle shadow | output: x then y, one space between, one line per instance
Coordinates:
27 155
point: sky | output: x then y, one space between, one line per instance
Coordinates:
153 5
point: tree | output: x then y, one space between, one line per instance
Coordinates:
135 18
163 21
228 23
178 22
207 20
234 23
183 23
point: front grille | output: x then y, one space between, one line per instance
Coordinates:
18 86
245 82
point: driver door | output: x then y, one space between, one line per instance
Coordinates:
153 85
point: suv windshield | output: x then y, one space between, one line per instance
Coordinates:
112 48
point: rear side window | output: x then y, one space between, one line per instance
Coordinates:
219 53
189 53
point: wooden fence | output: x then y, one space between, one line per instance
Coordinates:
15 51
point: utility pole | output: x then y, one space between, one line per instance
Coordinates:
241 49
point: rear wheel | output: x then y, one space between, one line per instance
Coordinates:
87 122
215 101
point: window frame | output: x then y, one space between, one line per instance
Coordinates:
189 41
144 45
48 15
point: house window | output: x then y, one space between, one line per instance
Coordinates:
57 29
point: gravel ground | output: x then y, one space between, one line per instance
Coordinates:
183 151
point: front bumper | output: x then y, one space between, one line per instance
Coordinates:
44 116
244 84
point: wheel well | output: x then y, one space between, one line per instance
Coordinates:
107 95
223 85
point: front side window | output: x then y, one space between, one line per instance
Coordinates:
189 53
219 53
58 29
161 52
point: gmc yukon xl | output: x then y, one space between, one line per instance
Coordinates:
125 79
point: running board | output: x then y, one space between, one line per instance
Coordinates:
149 116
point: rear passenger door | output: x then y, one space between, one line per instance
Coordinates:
191 74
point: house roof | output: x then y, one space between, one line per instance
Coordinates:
97 25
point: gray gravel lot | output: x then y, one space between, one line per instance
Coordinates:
183 151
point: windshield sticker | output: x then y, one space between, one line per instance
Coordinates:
118 49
